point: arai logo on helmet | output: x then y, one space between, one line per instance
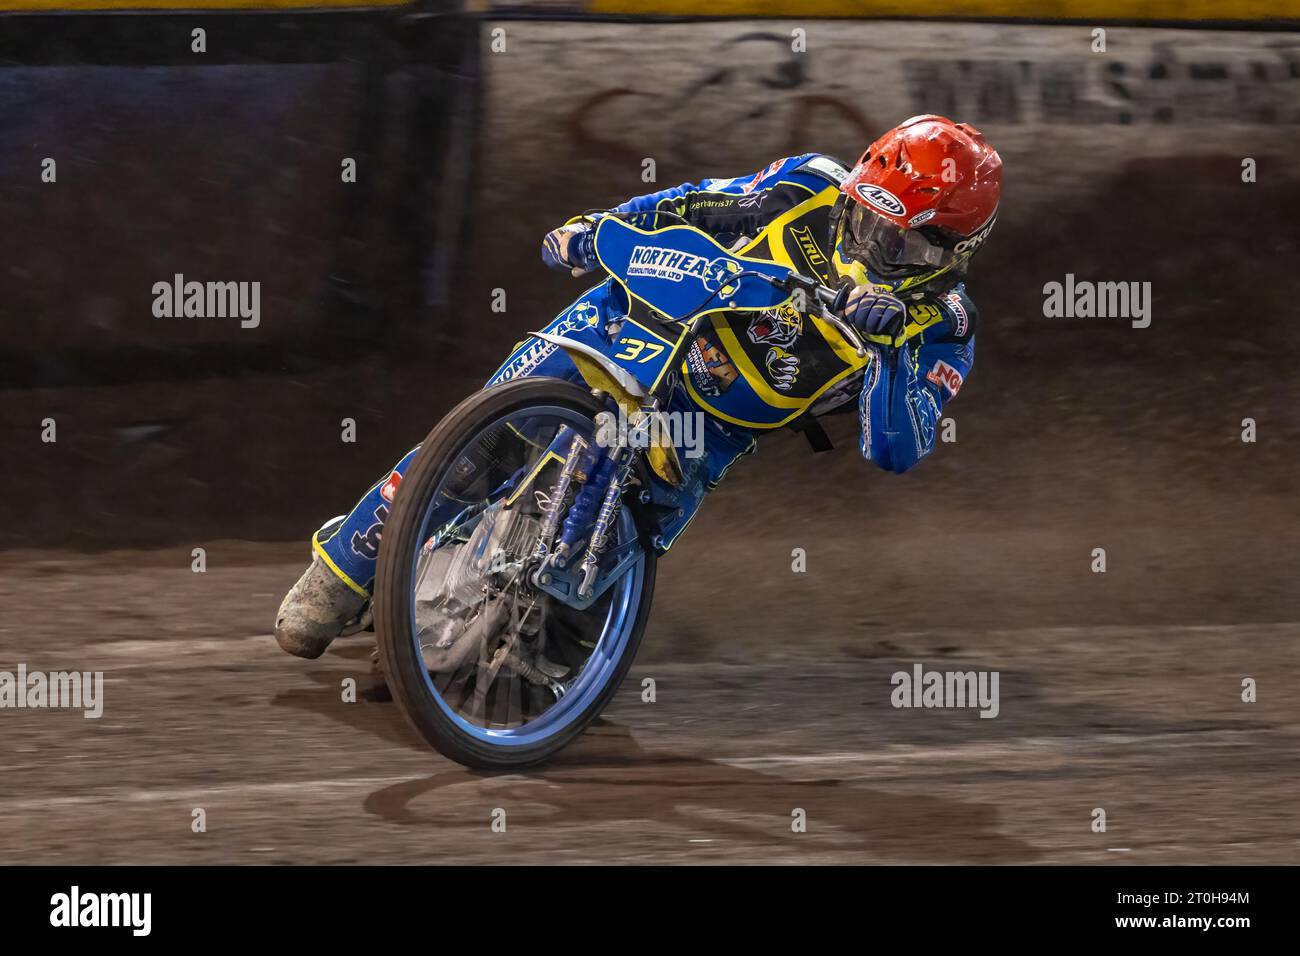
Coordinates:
882 199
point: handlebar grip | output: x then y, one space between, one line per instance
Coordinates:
841 298
833 299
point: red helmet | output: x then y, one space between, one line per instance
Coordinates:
917 205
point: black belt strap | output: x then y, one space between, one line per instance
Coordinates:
812 430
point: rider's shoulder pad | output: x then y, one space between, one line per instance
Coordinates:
824 167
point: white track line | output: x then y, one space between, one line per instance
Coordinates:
202 793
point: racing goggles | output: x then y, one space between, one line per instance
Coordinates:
886 248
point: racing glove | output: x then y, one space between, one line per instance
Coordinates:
875 313
571 248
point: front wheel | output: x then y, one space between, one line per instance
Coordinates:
492 671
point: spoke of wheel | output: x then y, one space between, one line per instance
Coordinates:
483 688
505 692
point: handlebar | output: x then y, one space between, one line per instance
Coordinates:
831 300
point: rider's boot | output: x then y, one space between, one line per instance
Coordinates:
331 592
315 611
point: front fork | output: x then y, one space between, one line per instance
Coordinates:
604 473
622 459
577 465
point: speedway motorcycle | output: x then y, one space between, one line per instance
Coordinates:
518 562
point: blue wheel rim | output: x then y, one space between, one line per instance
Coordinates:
616 629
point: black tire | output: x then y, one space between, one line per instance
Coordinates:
402 664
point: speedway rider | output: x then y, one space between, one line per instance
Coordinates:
900 227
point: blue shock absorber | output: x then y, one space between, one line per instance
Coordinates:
583 509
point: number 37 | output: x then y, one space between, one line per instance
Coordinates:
635 347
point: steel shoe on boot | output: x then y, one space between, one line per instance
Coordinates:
315 611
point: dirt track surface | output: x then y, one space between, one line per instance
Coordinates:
1119 690
202 710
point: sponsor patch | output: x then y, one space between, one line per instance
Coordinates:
656 262
812 254
945 375
827 167
961 319
921 218
583 315
977 240
525 361
880 198
762 174
367 545
923 313
782 368
780 326
389 488
697 203
710 368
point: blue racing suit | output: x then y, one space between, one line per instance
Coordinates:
901 391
